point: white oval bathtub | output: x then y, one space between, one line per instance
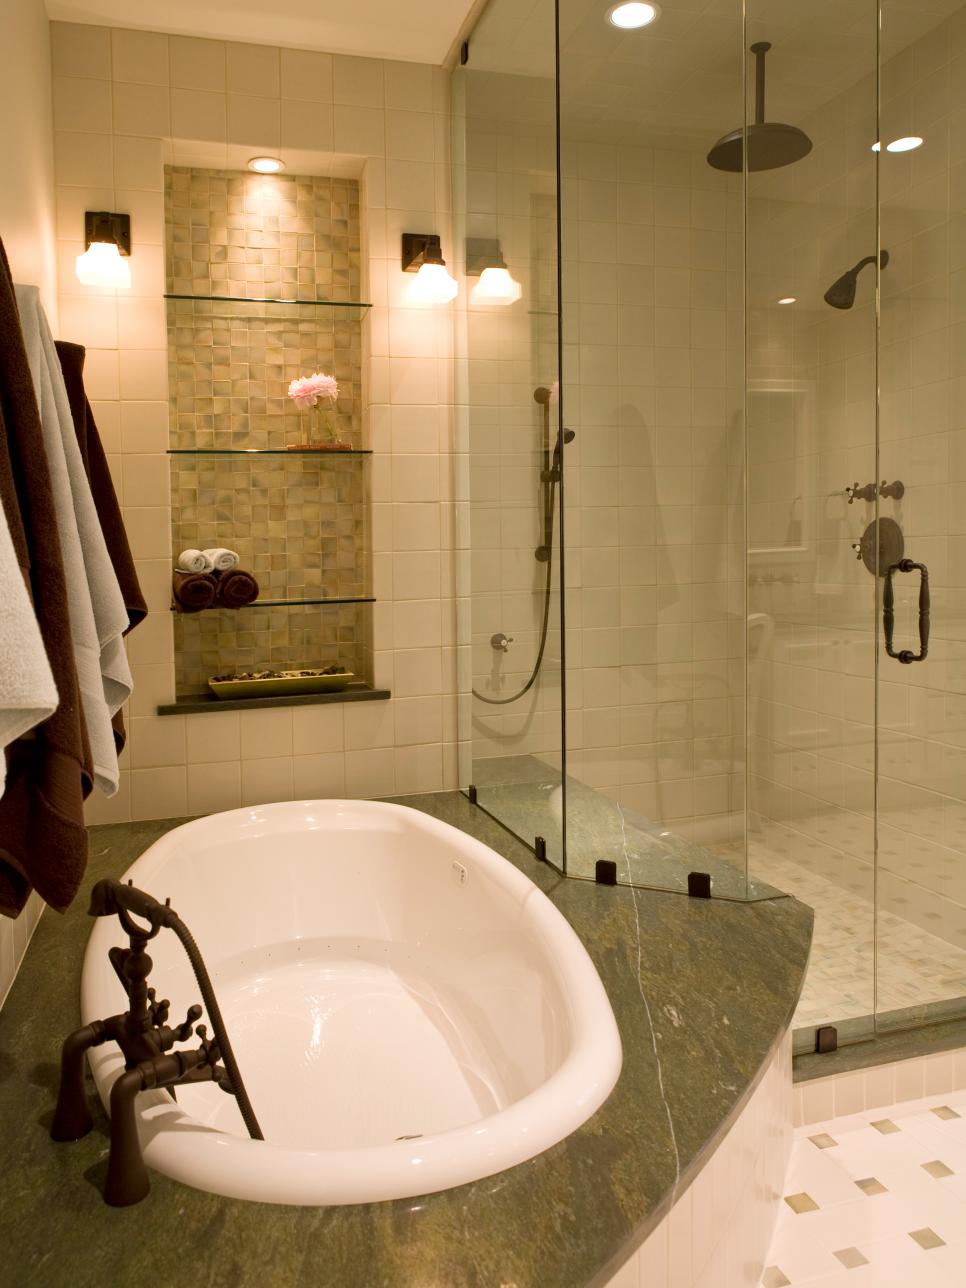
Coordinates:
382 975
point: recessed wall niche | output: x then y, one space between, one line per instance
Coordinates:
263 286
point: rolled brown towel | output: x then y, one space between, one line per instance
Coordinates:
235 588
193 591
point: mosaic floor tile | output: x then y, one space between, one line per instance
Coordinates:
850 1223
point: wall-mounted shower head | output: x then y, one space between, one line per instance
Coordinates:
770 143
841 294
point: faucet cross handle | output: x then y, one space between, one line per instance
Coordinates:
856 493
184 1031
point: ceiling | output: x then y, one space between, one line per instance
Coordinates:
419 31
682 78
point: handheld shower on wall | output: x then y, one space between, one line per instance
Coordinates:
770 143
841 294
549 478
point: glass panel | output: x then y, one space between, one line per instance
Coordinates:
652 289
921 921
508 393
811 431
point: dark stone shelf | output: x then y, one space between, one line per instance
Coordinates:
204 704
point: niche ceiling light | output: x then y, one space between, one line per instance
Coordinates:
107 250
630 16
422 254
484 259
266 165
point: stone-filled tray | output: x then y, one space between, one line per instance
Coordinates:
273 684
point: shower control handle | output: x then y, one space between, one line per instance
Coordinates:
500 642
896 491
905 655
857 547
856 493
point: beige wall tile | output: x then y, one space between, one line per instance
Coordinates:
254 122
199 114
359 82
306 75
214 787
81 104
80 50
142 110
253 69
197 64
140 57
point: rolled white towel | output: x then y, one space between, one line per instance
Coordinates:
194 561
220 559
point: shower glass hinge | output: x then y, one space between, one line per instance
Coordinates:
605 872
699 885
540 848
826 1039
471 793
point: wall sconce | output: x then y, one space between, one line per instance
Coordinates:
422 254
107 238
484 259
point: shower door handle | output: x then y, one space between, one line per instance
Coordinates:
905 655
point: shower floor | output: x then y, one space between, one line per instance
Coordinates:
920 974
917 971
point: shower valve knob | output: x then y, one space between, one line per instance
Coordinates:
500 642
856 493
857 547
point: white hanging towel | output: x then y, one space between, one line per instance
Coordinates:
28 694
98 617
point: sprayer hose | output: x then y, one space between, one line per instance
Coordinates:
218 1024
502 702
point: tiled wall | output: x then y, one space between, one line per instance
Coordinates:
718 1231
878 1086
297 522
126 101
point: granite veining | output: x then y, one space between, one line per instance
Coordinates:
702 991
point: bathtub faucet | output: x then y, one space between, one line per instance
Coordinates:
146 1041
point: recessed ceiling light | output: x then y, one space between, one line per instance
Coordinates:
631 15
788 299
266 165
907 144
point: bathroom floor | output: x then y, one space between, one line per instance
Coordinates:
876 1200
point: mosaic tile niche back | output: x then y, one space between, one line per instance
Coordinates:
263 286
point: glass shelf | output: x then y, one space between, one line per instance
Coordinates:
239 307
267 451
288 603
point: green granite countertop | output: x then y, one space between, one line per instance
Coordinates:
702 991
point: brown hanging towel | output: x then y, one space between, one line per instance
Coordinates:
43 841
105 498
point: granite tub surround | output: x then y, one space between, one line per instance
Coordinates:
703 994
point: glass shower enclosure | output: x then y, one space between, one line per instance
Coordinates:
712 465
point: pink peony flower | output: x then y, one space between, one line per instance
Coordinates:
307 390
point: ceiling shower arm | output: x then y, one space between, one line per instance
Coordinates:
760 49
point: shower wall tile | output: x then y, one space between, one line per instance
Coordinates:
269 98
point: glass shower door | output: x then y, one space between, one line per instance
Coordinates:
921 482
508 391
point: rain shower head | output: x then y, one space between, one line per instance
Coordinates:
841 294
770 144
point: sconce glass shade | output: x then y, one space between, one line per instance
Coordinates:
433 285
103 265
496 286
